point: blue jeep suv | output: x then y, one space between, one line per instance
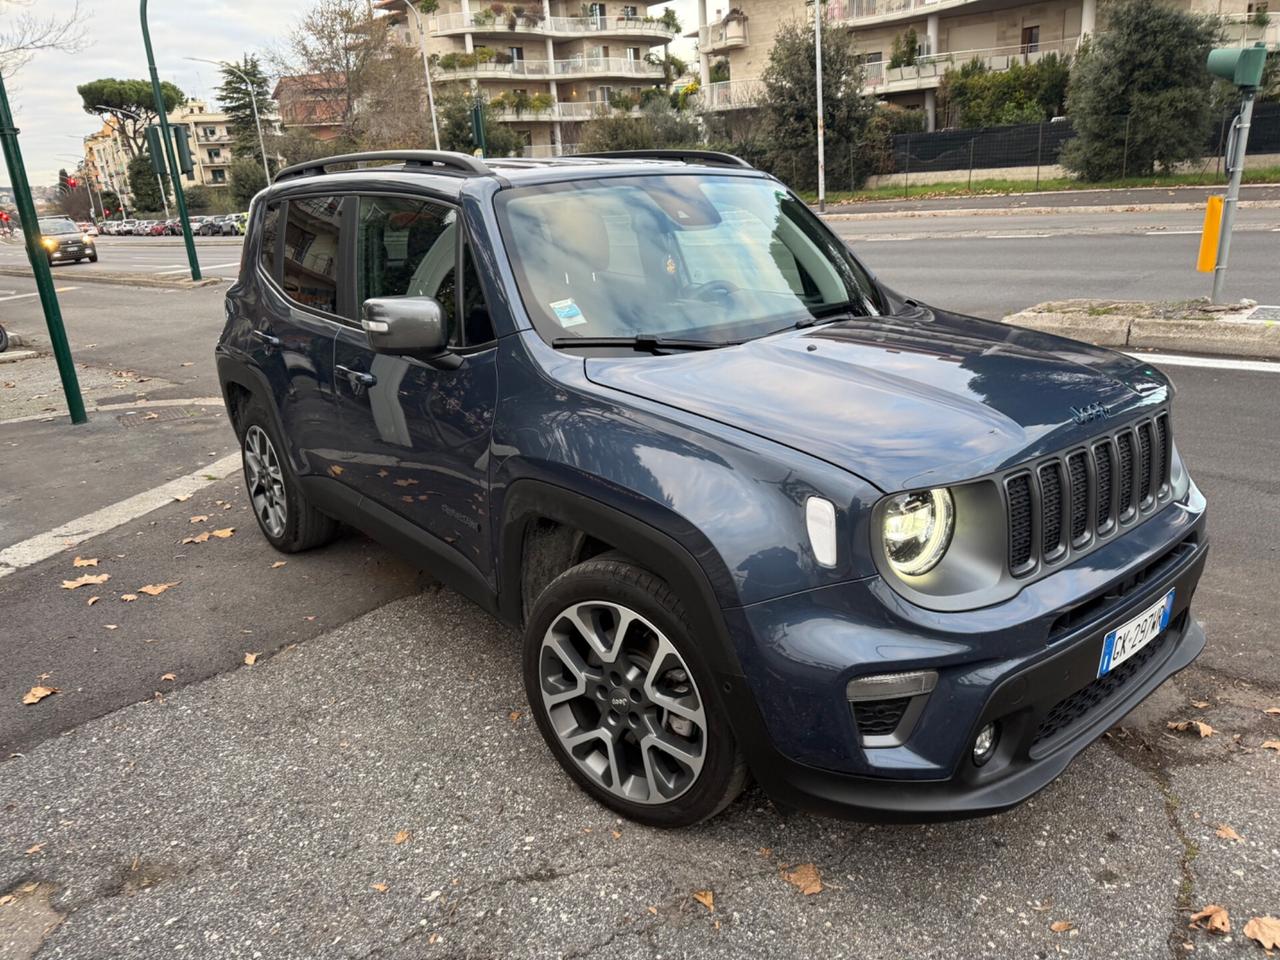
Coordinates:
755 513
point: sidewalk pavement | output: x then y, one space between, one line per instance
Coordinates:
382 791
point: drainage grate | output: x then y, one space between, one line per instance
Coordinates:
162 415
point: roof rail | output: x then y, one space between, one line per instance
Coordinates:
710 157
434 161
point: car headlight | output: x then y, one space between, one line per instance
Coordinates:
86 238
916 529
49 243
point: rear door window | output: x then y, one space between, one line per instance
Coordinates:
312 274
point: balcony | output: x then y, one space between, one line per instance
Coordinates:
731 95
483 23
577 68
577 112
927 72
719 37
865 13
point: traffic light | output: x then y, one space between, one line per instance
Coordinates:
72 182
1240 65
155 147
64 183
182 142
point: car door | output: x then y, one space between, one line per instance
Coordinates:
309 291
417 432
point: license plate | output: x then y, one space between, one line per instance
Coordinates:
1128 638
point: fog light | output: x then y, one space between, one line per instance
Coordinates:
985 744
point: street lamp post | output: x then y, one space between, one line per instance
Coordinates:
174 173
253 100
164 196
822 126
426 67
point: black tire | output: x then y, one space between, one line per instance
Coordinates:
4 340
303 527
93 257
613 579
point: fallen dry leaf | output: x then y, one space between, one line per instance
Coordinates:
85 562
707 898
653 910
402 836
128 597
383 473
278 564
1265 930
804 878
1226 833
380 887
1212 918
85 580
513 716
7 899
92 601
112 626
1182 726
616 834
1199 704
1061 926
224 532
187 363
38 693
406 483
169 676
1271 745
335 470
182 497
200 518
1272 711
198 538
152 416
35 848
250 659
766 851
155 589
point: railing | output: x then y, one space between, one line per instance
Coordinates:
722 36
580 110
866 9
551 69
730 94
1244 28
566 26
926 70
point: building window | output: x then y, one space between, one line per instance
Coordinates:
218 176
630 11
210 132
596 11
517 54
215 154
633 54
1030 39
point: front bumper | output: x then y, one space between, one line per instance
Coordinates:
1029 665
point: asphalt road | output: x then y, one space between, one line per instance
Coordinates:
159 257
196 806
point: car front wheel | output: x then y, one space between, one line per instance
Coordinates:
284 515
623 699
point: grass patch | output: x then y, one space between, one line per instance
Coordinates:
997 187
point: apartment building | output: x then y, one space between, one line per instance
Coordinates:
548 65
106 162
948 34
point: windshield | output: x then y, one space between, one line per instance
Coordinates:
694 256
50 228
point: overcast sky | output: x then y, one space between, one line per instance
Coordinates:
43 94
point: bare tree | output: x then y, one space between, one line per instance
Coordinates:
24 33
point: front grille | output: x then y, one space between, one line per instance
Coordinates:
1082 704
879 718
1064 502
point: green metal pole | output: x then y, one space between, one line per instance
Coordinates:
175 175
39 260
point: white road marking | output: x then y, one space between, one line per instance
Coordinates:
52 542
1173 233
20 296
1020 236
1212 363
204 266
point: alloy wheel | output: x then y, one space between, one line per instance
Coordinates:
622 702
265 480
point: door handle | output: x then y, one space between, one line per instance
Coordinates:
266 338
357 376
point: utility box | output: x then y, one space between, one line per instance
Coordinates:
155 147
1240 65
182 144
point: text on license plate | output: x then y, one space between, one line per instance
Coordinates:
1128 638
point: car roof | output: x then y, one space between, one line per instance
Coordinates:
452 173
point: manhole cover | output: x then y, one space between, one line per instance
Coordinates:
157 416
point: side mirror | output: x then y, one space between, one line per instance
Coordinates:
406 325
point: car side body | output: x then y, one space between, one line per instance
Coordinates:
516 460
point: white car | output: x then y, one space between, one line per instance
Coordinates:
88 228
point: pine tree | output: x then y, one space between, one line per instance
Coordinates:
234 95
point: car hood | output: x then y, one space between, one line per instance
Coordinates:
918 399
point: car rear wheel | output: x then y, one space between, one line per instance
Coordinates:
623 699
284 515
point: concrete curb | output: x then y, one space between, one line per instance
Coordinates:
123 279
13 356
1215 337
1040 211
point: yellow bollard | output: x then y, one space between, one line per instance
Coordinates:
1208 259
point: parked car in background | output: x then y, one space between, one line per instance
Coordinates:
209 227
159 228
88 228
125 228
63 240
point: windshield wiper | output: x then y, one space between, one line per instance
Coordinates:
643 342
834 311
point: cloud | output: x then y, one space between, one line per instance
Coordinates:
47 108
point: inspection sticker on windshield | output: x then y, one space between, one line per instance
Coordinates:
567 313
1126 640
